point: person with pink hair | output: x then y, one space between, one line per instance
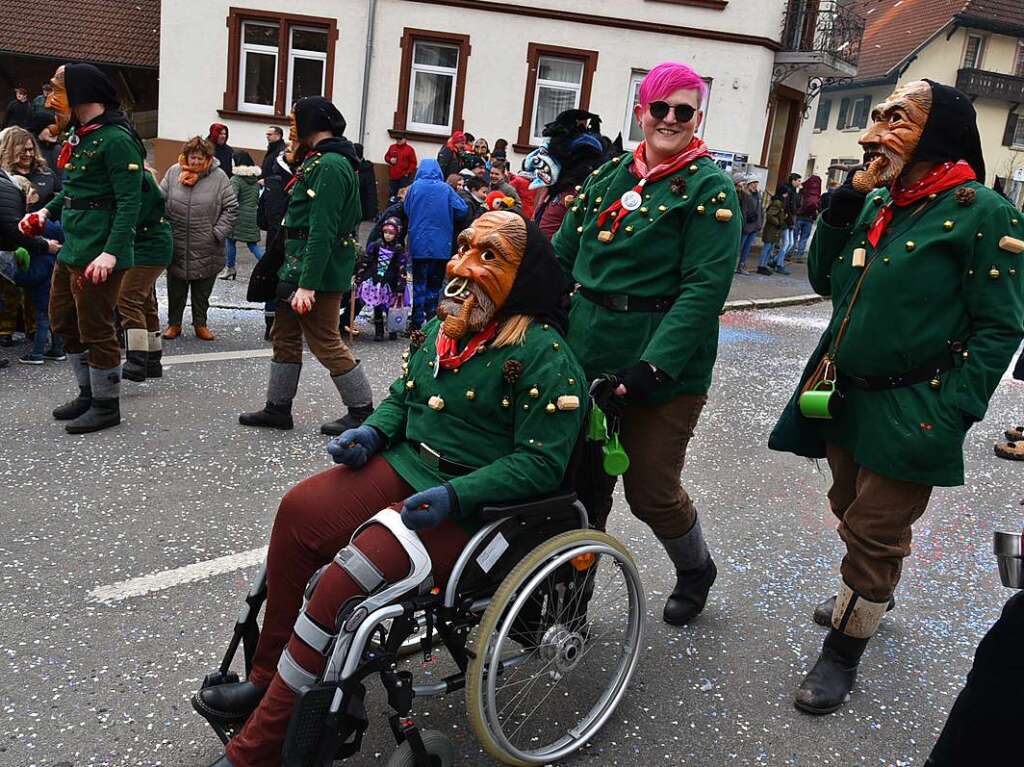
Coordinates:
650 241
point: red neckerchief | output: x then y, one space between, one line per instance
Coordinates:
69 146
448 354
694 150
299 174
940 178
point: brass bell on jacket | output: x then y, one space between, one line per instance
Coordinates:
550 407
948 226
993 273
470 394
701 209
505 402
410 384
534 392
910 246
935 383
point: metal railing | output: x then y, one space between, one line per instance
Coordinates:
992 85
823 26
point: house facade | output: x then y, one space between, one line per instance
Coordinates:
977 45
495 69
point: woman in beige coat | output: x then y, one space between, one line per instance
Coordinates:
202 208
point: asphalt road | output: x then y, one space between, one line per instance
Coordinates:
83 682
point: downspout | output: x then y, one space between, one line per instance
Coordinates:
371 24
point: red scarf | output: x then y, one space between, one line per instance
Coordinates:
694 150
448 355
69 146
940 178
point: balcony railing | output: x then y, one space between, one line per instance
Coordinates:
823 31
991 85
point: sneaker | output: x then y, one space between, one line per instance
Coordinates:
782 270
31 359
763 270
55 355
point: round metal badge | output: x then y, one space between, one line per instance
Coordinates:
631 200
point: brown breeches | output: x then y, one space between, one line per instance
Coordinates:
319 327
137 302
655 438
875 517
83 314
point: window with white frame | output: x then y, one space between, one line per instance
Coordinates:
632 133
974 51
307 63
435 67
559 84
258 70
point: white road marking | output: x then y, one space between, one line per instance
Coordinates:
167 579
240 354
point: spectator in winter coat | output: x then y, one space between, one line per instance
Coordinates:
19 110
393 210
221 150
500 184
789 193
39 102
432 208
752 208
275 146
775 221
401 161
244 185
367 186
451 156
808 208
474 194
202 208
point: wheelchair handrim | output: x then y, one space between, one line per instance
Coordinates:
606 704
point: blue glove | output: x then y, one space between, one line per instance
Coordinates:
428 509
355 447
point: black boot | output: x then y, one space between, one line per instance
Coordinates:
154 357
134 368
357 396
268 321
828 685
823 612
228 703
284 382
105 410
69 411
695 574
378 329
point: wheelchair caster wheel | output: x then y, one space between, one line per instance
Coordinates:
440 749
218 678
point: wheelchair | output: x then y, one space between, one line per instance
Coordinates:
542 616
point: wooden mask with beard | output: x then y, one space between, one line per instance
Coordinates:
482 272
58 102
897 125
291 152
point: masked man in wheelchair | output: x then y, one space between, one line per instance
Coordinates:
488 409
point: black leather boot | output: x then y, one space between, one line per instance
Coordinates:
268 321
284 382
228 703
105 409
134 368
823 612
356 395
154 356
70 410
695 574
378 329
828 685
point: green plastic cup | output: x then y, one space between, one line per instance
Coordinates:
819 401
615 461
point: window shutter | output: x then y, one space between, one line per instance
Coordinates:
863 112
1011 128
844 110
824 110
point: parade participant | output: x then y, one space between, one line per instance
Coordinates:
652 241
136 303
502 411
319 259
99 208
921 262
574 147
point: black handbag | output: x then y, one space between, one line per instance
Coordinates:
263 280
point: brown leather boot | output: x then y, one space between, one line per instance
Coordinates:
172 332
203 333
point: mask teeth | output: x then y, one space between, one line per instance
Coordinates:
455 287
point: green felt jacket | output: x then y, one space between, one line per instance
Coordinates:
324 200
106 163
942 276
682 242
520 435
154 243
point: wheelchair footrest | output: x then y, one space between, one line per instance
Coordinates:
327 723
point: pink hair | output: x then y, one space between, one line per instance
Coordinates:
669 77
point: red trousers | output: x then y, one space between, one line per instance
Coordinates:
315 520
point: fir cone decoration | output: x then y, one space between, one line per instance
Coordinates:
416 338
677 185
965 196
511 371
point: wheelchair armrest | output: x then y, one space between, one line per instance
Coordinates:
547 504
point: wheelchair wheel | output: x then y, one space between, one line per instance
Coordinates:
438 746
556 649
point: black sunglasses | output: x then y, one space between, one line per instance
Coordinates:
659 111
